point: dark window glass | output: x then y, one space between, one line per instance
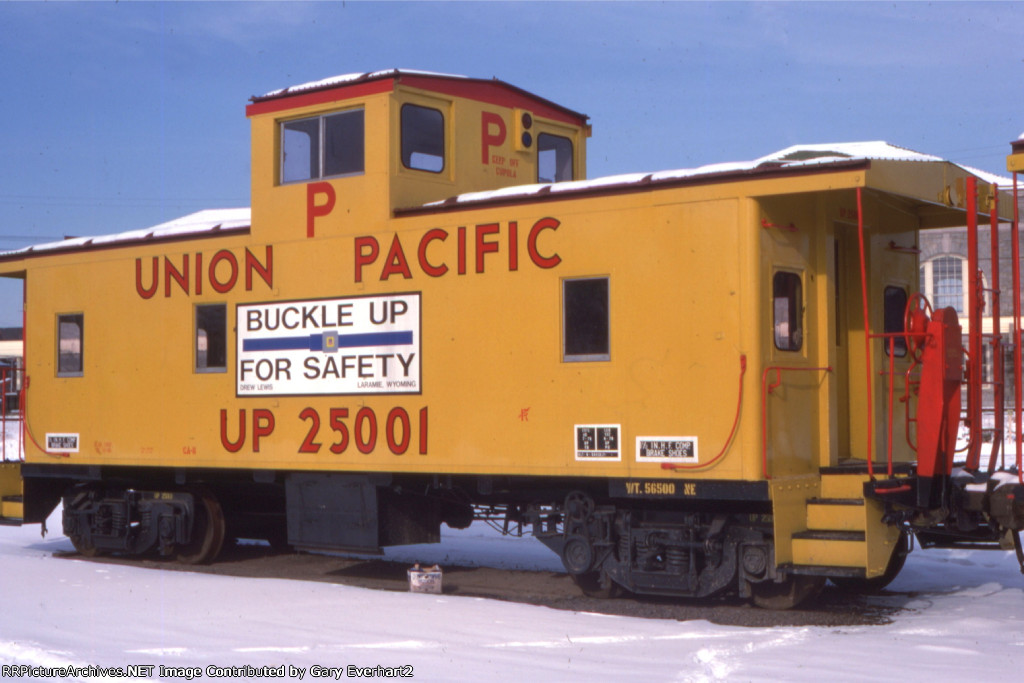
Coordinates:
211 338
554 158
323 146
787 296
70 335
343 143
586 323
894 309
422 138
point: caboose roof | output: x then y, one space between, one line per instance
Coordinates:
337 87
210 222
797 158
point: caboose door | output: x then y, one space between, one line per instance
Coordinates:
891 277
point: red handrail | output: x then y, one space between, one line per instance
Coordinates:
732 432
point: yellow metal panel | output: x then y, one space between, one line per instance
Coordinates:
12 510
789 509
1015 162
10 479
843 485
829 553
836 517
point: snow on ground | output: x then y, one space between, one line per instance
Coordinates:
963 613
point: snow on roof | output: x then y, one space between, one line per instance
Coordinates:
334 81
797 156
207 221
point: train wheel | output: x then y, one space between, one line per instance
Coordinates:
789 593
208 530
875 585
597 584
83 547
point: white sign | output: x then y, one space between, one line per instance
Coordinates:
353 345
666 449
61 443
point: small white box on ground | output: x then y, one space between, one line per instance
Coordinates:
425 579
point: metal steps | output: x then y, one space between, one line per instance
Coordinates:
845 533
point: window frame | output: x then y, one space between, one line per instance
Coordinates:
602 316
406 160
541 148
207 368
890 318
79 320
321 146
794 310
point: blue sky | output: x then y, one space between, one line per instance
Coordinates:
119 116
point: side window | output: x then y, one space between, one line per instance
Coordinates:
787 305
422 138
894 308
322 146
554 158
70 335
586 321
211 342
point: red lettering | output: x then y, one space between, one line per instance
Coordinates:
265 270
314 210
483 246
366 417
427 266
396 262
364 258
229 445
531 243
513 246
489 139
172 273
398 415
423 430
199 273
223 286
308 444
462 251
262 425
147 292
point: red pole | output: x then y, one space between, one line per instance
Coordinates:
974 338
867 326
998 396
1015 246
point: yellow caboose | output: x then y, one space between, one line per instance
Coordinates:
430 315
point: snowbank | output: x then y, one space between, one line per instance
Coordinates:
963 612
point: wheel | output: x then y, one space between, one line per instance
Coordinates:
207 532
83 547
875 585
915 324
577 555
789 593
597 584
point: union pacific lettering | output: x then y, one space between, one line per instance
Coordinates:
438 252
189 273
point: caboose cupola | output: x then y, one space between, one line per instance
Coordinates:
320 149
